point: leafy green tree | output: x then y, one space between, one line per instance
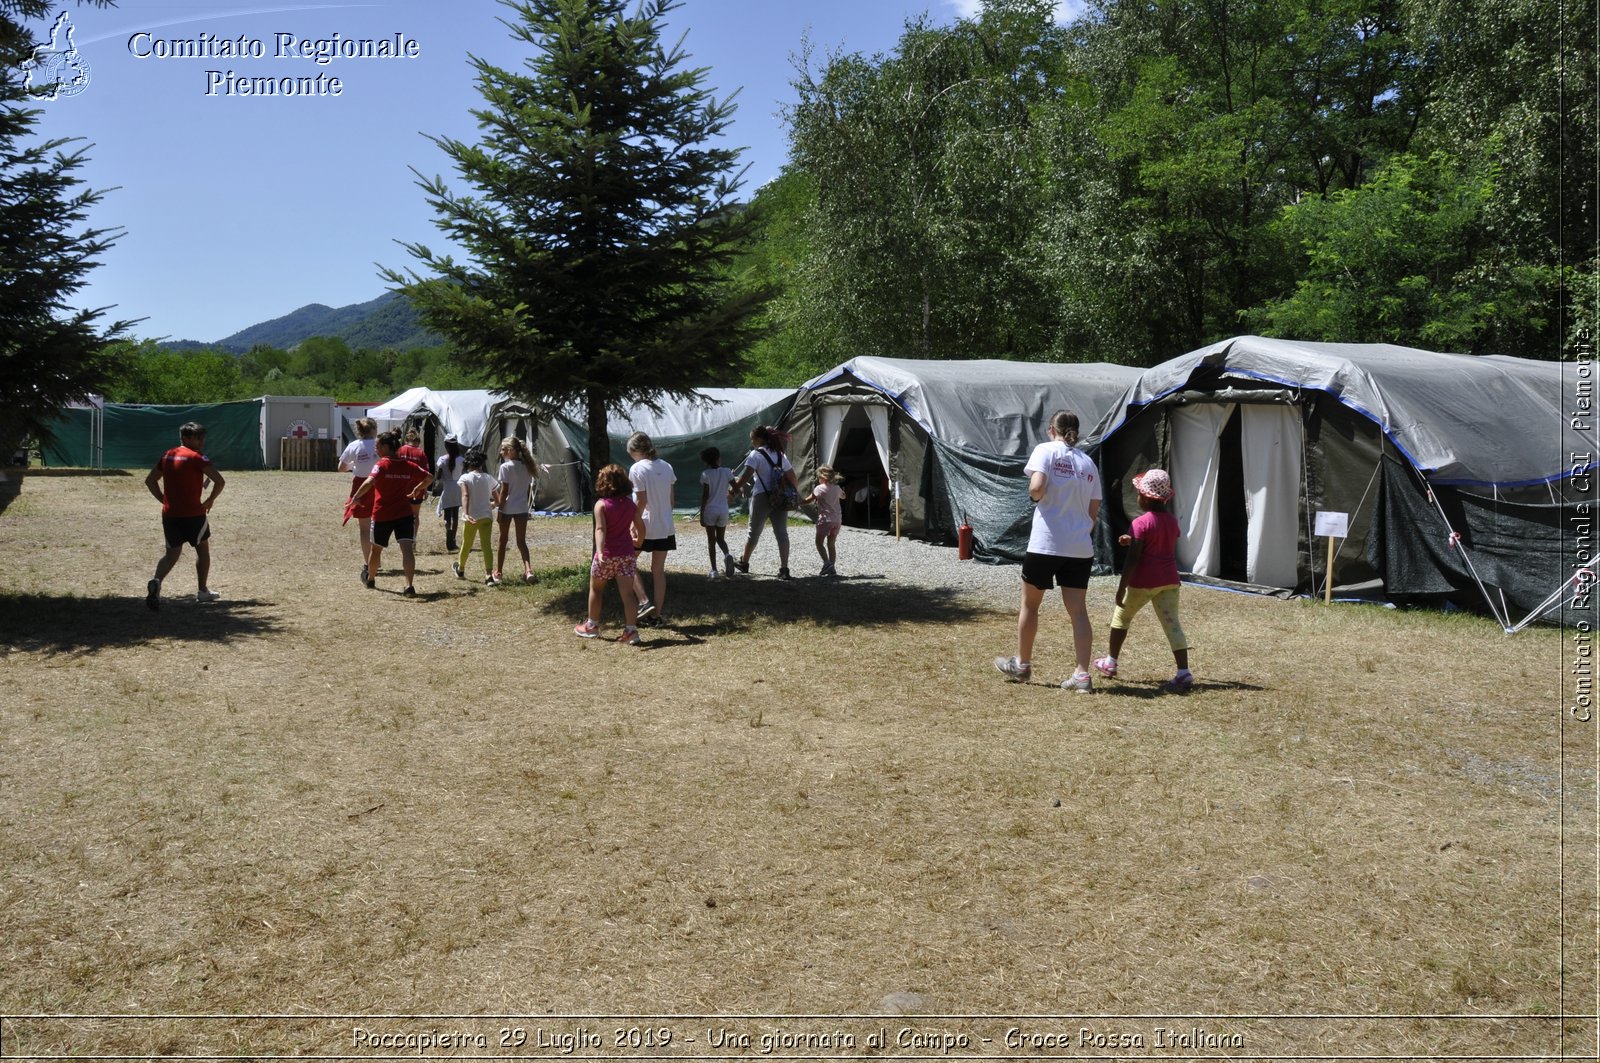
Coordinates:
598 232
50 352
1513 85
149 374
1399 260
922 168
1199 123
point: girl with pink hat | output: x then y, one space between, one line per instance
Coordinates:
1150 575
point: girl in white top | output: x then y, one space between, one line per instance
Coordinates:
477 490
446 471
652 480
768 466
511 496
714 482
358 459
1065 485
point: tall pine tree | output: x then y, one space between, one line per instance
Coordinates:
50 352
600 221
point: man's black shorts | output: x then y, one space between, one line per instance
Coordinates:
182 530
402 530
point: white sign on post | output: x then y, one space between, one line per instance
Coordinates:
1335 526
1332 524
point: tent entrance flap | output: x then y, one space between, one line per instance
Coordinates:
1236 470
854 439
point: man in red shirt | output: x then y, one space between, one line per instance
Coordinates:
177 481
393 484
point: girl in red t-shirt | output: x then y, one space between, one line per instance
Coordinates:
1150 574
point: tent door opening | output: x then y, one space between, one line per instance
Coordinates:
854 439
1236 469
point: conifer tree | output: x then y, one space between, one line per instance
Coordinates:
50 352
599 221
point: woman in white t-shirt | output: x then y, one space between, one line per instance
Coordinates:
1065 486
768 467
358 459
652 479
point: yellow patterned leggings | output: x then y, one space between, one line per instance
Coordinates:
476 529
1165 602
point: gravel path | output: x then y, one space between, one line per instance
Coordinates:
873 553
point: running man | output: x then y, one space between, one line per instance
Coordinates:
176 482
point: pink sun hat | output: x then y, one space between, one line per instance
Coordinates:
1154 484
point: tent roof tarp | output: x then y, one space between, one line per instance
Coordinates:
1465 420
990 406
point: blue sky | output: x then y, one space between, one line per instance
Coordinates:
239 209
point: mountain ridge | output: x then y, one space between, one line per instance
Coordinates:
387 321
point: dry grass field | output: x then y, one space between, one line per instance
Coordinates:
803 807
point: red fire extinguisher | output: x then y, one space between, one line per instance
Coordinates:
964 540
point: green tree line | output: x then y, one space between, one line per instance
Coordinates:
149 373
1164 173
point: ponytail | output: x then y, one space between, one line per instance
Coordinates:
1065 424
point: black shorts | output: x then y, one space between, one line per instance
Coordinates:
190 530
403 530
650 546
1041 569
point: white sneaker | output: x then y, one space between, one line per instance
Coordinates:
1013 669
715 574
1079 684
206 596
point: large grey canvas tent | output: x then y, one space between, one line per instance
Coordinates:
680 430
1463 479
947 439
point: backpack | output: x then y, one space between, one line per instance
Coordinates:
781 495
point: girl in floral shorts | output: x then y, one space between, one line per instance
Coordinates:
618 533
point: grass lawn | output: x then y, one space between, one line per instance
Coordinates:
800 809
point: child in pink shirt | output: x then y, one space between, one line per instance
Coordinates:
827 495
1150 574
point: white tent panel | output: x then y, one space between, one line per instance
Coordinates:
1271 438
1196 456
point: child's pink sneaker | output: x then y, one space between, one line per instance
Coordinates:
587 630
631 638
1106 666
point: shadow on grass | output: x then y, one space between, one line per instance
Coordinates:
699 608
1153 688
43 623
